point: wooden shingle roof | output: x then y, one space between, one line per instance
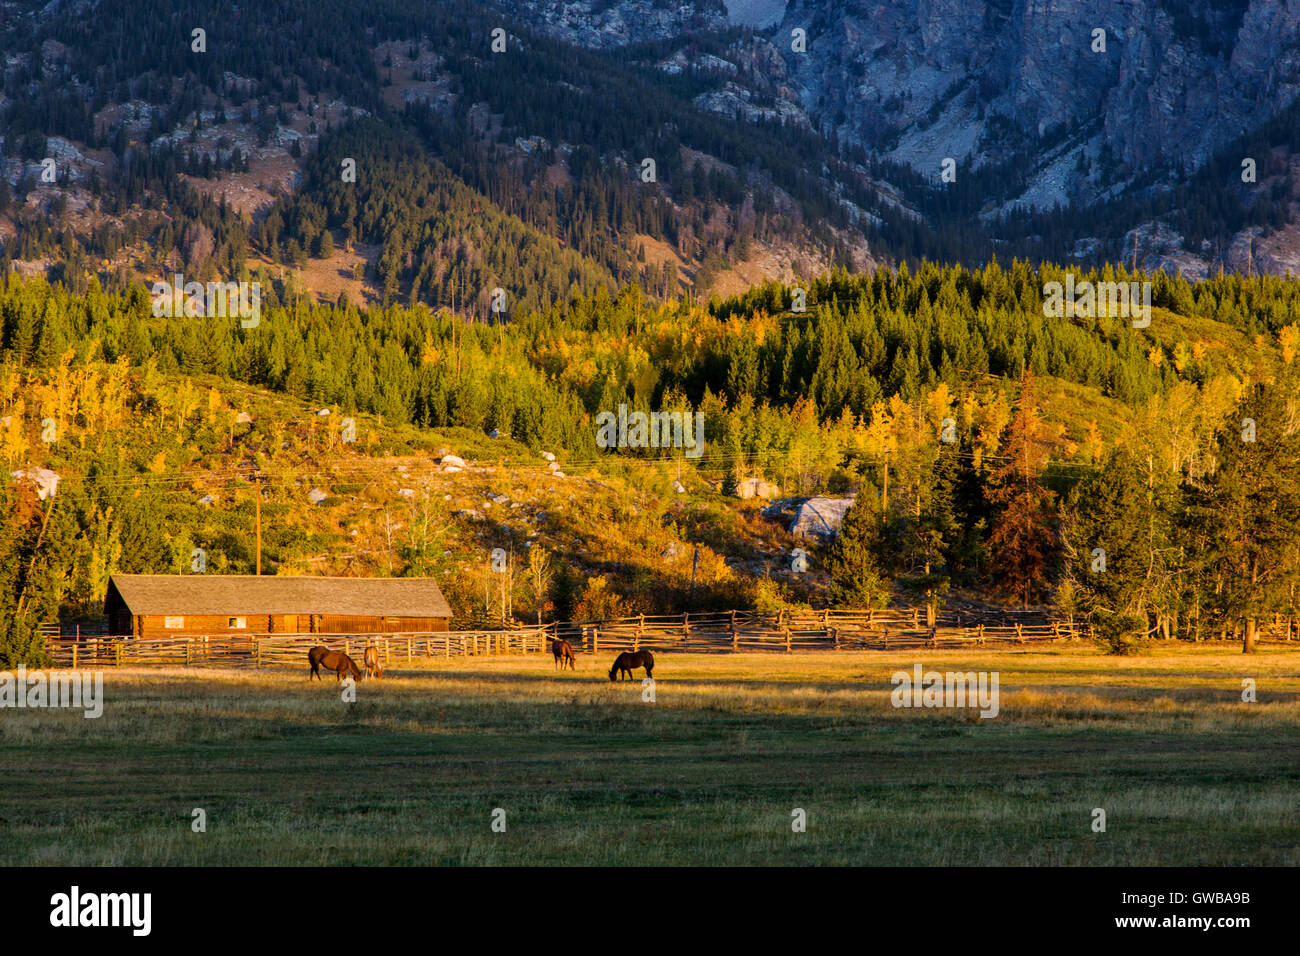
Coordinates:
272 594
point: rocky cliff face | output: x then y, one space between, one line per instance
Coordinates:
991 81
1069 102
603 24
1130 84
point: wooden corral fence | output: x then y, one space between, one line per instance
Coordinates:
290 650
720 631
810 631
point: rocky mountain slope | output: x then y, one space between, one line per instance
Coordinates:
1074 103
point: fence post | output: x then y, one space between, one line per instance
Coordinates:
980 637
735 635
835 638
118 651
1019 637
74 656
787 640
595 639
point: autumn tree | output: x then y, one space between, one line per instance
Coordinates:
1022 540
540 573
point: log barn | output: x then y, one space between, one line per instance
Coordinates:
182 605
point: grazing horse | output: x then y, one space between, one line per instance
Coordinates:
563 652
335 661
627 661
371 660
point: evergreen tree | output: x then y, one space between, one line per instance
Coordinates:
1248 511
856 580
1108 561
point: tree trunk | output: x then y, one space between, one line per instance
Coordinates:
1248 643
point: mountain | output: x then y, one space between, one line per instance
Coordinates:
1029 100
199 147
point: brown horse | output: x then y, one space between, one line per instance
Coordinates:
626 662
371 660
563 652
335 661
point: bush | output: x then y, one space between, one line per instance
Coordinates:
1121 634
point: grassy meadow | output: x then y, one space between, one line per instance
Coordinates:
589 773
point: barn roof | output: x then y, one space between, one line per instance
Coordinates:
272 594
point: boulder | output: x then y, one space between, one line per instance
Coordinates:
756 488
452 461
820 518
316 496
46 481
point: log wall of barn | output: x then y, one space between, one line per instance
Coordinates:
356 624
155 625
152 626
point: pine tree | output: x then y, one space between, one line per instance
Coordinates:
1108 561
856 580
1248 512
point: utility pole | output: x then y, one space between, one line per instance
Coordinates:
695 563
257 499
884 499
258 480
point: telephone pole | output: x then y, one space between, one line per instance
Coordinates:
257 498
257 479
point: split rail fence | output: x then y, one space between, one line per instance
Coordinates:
717 631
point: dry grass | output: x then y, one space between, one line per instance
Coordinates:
709 773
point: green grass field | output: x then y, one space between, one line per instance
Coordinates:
588 773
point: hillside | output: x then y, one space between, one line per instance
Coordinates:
159 427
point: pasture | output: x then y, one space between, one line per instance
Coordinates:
589 773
